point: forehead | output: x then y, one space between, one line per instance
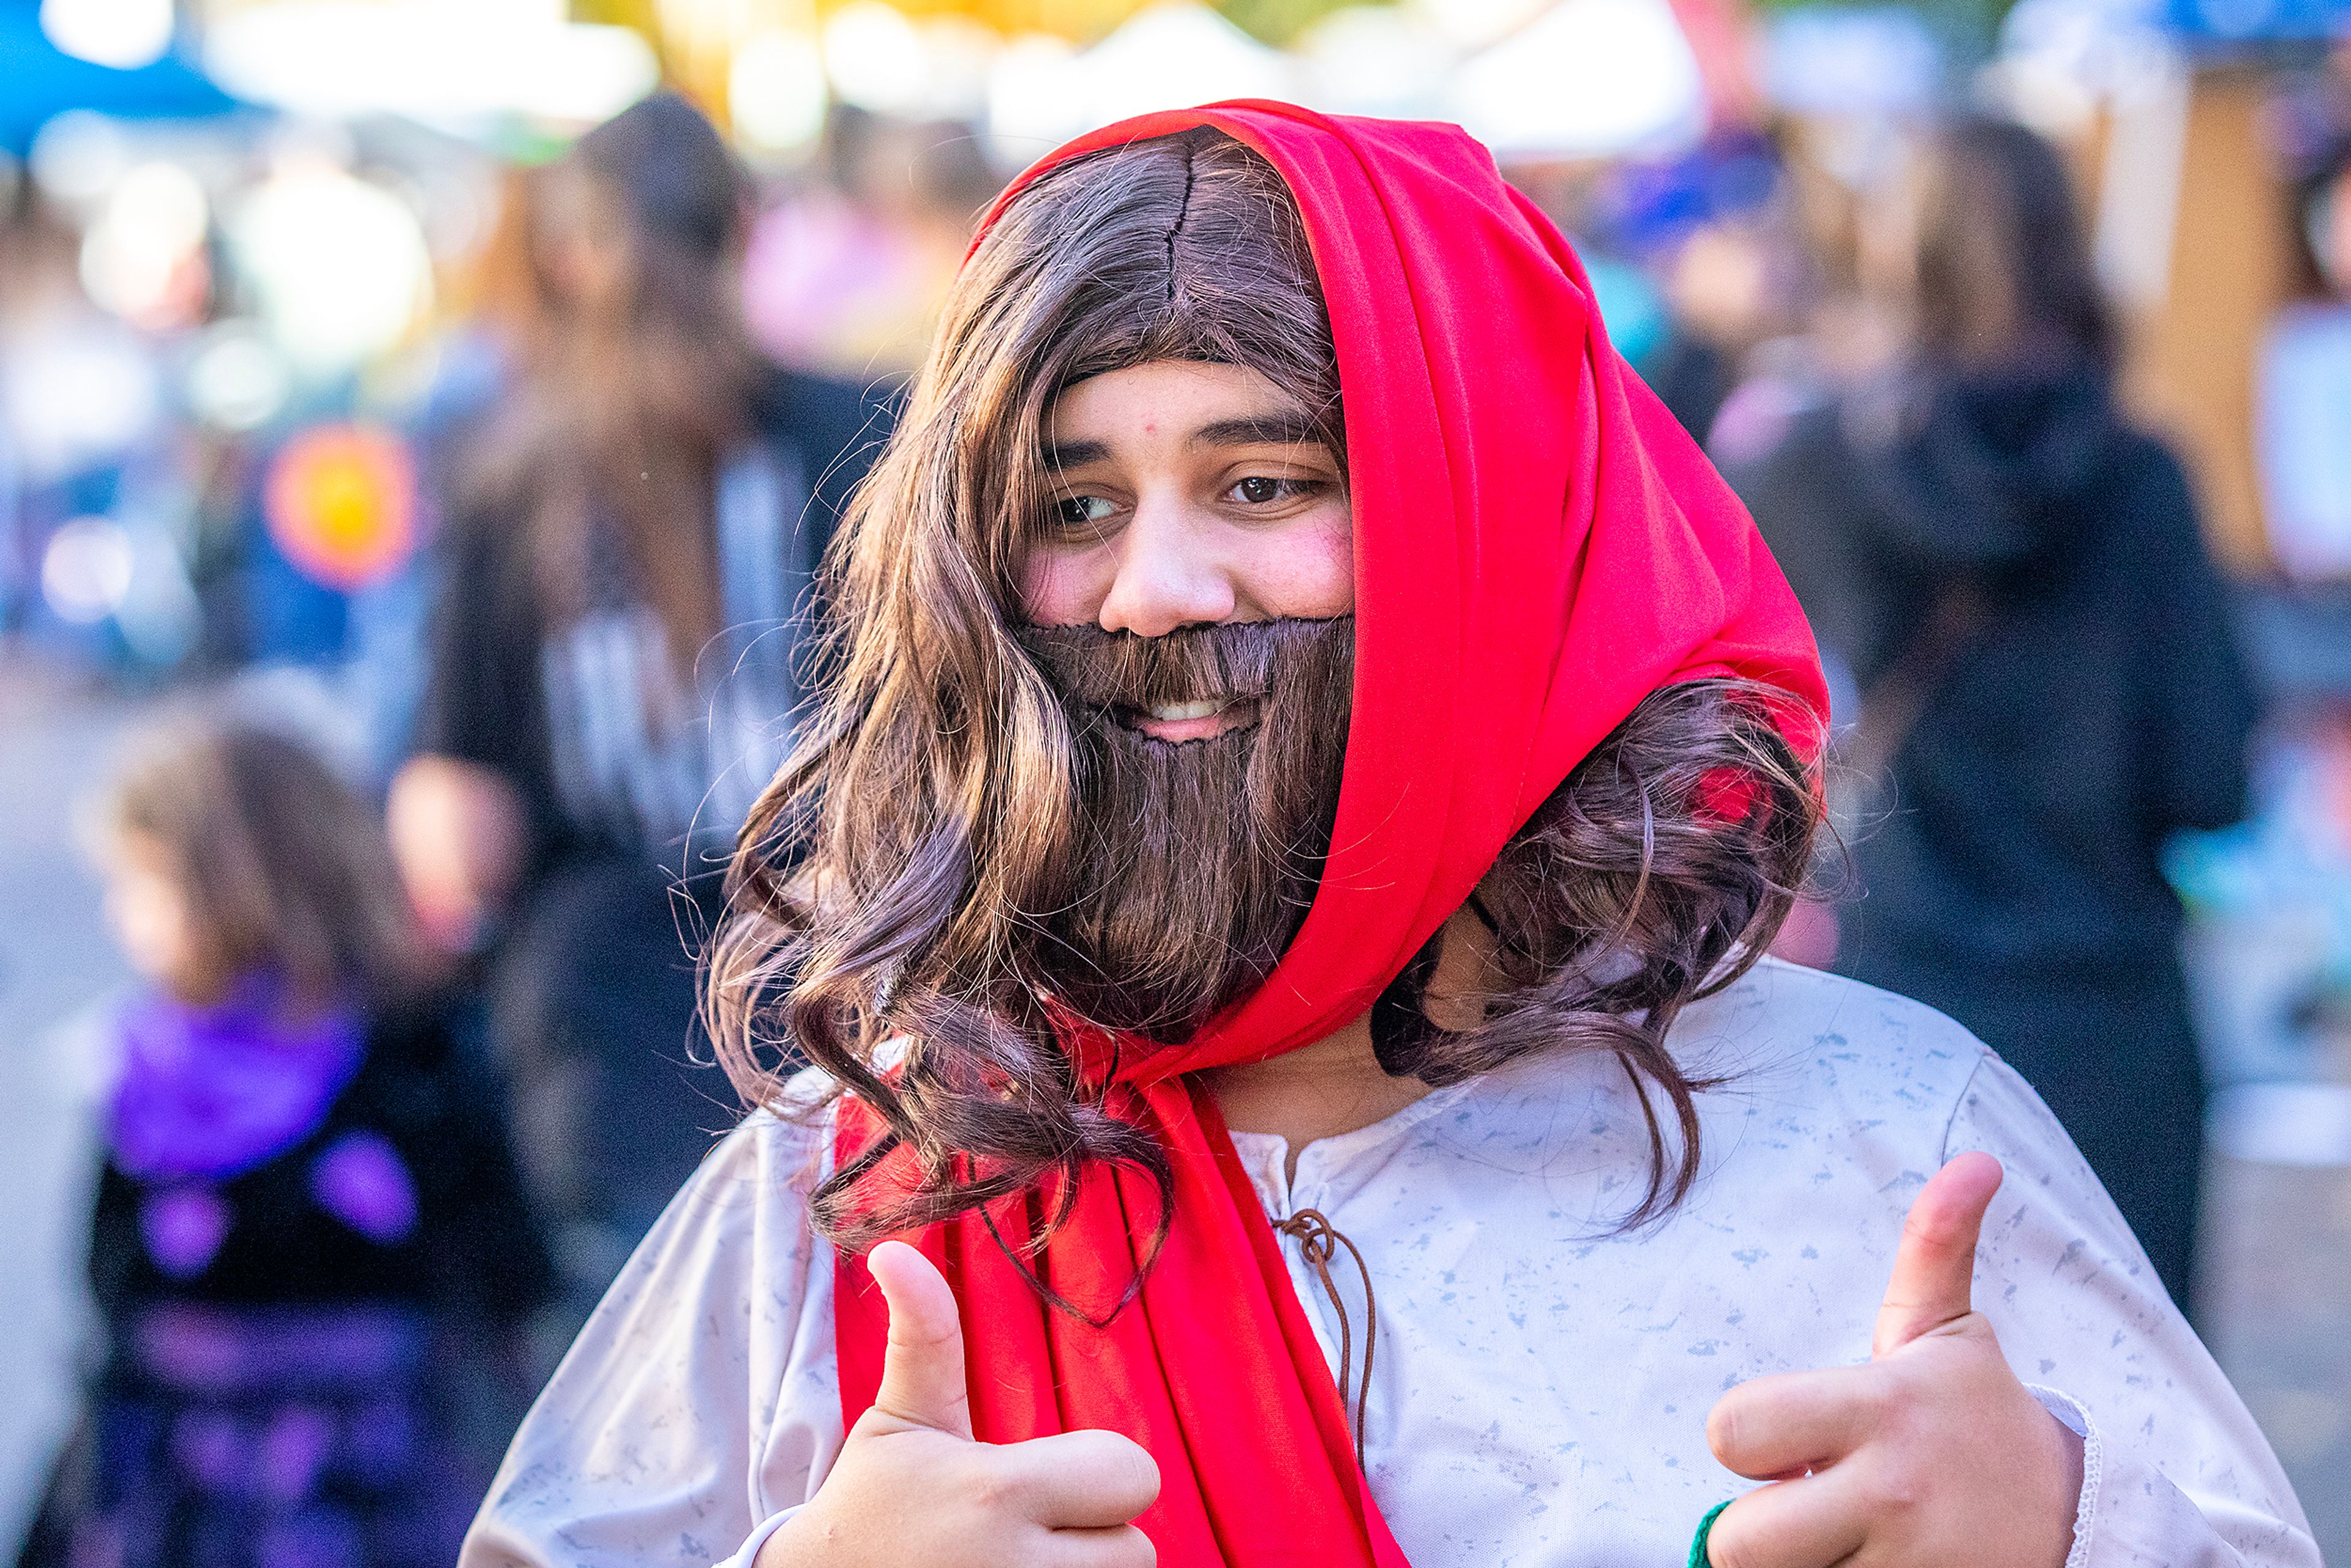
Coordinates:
1179 399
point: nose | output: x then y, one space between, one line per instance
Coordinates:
1168 575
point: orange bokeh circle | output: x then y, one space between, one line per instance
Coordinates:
340 503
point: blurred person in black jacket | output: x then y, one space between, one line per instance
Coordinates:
2047 680
614 659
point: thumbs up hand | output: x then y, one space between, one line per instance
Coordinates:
911 1486
1932 1456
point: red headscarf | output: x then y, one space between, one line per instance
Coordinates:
1538 548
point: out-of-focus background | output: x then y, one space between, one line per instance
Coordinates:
356 393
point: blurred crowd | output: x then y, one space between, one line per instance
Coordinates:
525 469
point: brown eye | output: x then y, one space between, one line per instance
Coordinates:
1079 512
1263 490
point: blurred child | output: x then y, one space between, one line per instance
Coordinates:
308 1201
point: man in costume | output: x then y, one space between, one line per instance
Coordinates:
1311 757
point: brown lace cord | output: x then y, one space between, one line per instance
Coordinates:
1320 1241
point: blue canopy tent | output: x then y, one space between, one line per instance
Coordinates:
2258 21
38 81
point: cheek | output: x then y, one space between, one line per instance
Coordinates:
1064 589
152 925
1307 572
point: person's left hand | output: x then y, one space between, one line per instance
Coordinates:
1932 1456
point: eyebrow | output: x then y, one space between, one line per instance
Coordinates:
1074 454
1285 429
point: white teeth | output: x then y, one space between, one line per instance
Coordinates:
1176 713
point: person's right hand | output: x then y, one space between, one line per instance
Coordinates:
912 1487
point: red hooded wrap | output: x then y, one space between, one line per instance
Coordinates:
1538 548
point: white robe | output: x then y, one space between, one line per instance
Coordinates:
1542 1379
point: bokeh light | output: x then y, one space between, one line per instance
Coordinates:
776 89
237 379
340 265
876 59
86 569
341 504
123 34
78 157
143 258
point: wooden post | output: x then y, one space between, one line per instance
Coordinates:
2193 352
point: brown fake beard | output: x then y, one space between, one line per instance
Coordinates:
1195 861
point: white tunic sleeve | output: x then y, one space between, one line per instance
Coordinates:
701 1399
2176 1474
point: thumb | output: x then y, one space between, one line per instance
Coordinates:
1934 1268
922 1368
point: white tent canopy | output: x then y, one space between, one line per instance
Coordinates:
1168 56
1377 59
1588 78
452 64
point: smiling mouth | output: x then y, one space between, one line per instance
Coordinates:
1178 722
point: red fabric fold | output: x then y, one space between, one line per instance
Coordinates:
1538 547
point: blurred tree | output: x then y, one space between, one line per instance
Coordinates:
1280 22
